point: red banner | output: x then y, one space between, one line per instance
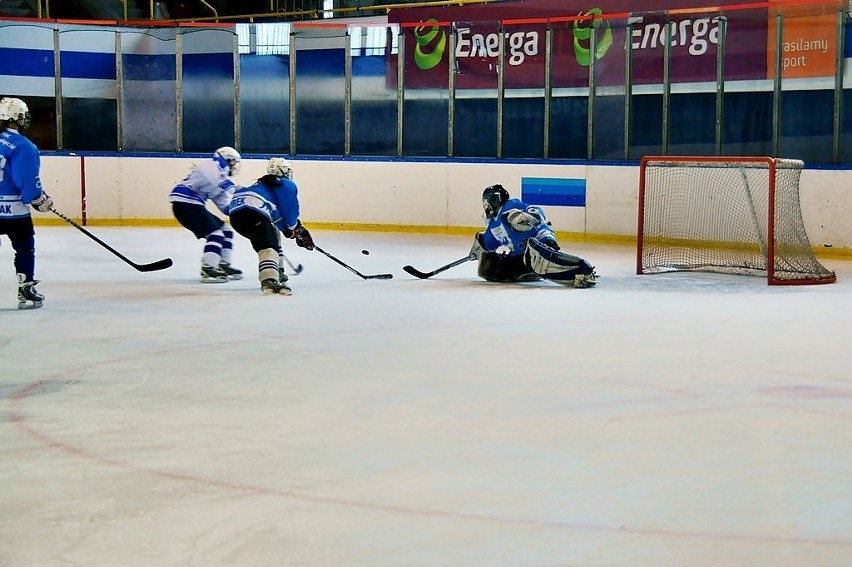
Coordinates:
693 33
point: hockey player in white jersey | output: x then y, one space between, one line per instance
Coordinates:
210 181
518 244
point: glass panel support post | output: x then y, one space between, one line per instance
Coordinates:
720 83
548 88
347 97
776 84
57 87
400 92
667 84
501 84
839 63
590 122
179 92
237 106
628 87
291 83
451 93
119 93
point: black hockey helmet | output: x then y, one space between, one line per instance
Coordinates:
494 197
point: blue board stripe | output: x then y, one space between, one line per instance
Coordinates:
26 62
554 191
87 65
149 67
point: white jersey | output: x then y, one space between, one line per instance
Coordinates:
208 180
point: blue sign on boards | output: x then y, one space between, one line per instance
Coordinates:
560 192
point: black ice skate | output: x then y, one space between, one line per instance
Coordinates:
270 287
211 274
231 272
28 297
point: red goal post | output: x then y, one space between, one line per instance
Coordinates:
725 214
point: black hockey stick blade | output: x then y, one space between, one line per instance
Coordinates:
423 275
297 268
353 270
152 267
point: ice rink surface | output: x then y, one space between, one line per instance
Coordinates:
149 420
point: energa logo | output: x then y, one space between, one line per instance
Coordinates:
431 42
583 37
428 52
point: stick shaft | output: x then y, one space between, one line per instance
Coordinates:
154 266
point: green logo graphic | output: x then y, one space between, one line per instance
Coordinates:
583 34
424 57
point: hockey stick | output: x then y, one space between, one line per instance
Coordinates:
297 268
152 267
353 270
423 275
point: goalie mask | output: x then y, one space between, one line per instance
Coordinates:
494 197
231 157
15 110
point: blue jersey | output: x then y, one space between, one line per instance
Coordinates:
499 231
19 181
279 203
207 181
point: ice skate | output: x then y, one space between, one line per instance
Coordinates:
28 297
230 271
211 274
270 287
585 280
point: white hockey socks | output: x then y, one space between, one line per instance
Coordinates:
267 267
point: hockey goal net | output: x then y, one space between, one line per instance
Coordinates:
735 215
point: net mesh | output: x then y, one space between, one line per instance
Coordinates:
714 216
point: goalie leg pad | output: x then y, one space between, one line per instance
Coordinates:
555 265
494 267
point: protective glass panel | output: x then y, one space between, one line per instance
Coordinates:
569 105
207 89
320 90
475 118
426 98
810 53
523 104
693 73
374 114
265 103
26 72
89 88
608 122
748 98
149 90
648 40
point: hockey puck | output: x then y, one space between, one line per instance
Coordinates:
365 252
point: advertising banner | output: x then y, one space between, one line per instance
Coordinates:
693 32
808 46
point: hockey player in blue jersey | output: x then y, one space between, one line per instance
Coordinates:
210 181
263 210
20 188
518 244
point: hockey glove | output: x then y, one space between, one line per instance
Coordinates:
43 204
303 237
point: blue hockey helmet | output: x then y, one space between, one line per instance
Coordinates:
494 197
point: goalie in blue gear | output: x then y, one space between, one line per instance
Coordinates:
518 244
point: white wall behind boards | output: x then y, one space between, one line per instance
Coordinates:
405 195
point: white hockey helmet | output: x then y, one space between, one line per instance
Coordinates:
231 157
279 167
16 110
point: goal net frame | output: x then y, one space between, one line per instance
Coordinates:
763 246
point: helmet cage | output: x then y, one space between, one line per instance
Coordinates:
232 158
494 197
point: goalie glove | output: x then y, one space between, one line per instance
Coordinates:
526 220
43 204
